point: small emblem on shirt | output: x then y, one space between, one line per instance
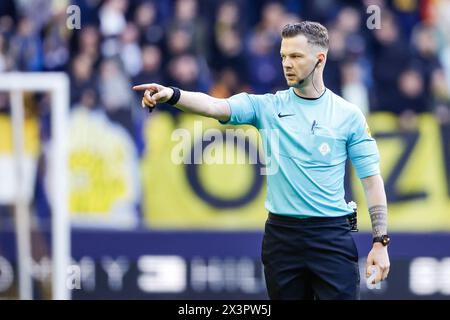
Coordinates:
285 115
324 149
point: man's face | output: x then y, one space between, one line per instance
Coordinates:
298 58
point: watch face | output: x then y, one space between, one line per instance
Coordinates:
386 240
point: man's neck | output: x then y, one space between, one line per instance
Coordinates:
310 91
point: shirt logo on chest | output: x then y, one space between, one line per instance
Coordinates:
285 115
324 149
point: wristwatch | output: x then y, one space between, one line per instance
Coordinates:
384 240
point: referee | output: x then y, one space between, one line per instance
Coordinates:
308 251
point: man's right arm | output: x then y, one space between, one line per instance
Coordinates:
193 102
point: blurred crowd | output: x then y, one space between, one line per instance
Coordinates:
226 47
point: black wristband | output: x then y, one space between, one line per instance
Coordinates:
175 97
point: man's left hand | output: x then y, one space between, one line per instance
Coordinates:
378 256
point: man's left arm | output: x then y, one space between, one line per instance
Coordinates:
376 201
363 152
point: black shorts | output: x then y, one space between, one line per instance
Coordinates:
312 258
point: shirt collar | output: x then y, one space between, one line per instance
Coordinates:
308 101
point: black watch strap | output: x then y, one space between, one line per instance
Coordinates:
384 239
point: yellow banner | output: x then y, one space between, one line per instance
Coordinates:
421 175
104 176
171 201
412 165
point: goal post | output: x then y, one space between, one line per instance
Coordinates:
57 84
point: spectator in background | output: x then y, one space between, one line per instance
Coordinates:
181 48
81 76
336 55
6 62
7 26
112 23
151 66
290 18
8 9
179 41
151 71
112 17
185 71
114 96
90 9
45 8
390 59
441 97
272 21
227 84
320 10
347 44
353 88
412 98
56 50
425 56
228 16
349 24
227 43
4 102
440 19
145 18
113 84
230 52
262 63
130 52
88 99
187 19
26 47
259 57
88 43
407 14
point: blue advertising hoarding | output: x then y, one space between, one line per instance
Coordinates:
214 265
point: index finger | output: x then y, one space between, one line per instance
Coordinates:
143 87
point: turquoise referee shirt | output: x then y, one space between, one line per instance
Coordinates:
307 142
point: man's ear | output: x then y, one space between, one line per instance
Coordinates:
321 56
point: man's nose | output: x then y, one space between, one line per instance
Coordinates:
287 64
287 67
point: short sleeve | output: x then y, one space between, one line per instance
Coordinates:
242 110
362 148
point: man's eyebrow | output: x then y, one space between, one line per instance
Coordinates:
292 53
